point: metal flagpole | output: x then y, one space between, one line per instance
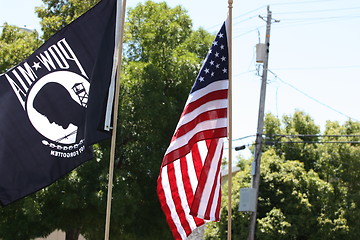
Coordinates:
229 36
259 141
119 33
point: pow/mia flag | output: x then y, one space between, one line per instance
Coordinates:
52 104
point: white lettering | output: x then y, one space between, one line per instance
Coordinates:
52 49
70 55
28 74
20 93
46 61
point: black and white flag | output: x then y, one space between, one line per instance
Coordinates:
52 104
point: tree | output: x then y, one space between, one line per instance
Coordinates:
16 44
295 200
162 56
339 164
56 14
160 65
303 148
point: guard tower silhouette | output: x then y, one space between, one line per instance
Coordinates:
80 91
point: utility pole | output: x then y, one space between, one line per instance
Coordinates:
255 180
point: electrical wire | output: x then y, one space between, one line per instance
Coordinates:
319 11
318 68
311 135
312 98
318 142
303 2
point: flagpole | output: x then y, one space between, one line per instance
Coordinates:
119 33
230 6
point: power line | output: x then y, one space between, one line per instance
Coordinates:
312 98
319 11
321 18
312 135
318 142
318 68
303 2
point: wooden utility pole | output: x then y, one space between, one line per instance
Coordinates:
255 181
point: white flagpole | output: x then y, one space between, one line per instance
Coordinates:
119 34
230 6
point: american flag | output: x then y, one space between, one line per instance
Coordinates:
189 187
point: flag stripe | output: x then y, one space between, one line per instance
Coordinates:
171 217
211 96
218 85
189 181
197 163
210 106
205 116
176 196
194 133
206 180
183 150
213 199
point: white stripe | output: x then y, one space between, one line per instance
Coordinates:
212 105
170 203
182 194
206 125
191 172
205 196
216 199
218 85
212 87
203 149
217 189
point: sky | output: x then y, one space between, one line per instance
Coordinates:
314 55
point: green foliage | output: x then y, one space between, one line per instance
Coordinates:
56 14
308 191
16 44
162 56
299 147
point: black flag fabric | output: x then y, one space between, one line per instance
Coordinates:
51 104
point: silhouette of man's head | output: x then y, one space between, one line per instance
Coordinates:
55 102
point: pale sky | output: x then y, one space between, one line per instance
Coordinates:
314 54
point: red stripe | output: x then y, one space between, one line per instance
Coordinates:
176 198
204 176
205 116
214 185
215 95
217 212
188 187
182 151
166 210
195 154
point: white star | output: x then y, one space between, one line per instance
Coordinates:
224 70
206 70
223 58
215 43
216 54
222 46
217 65
36 65
201 79
221 35
212 74
211 62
